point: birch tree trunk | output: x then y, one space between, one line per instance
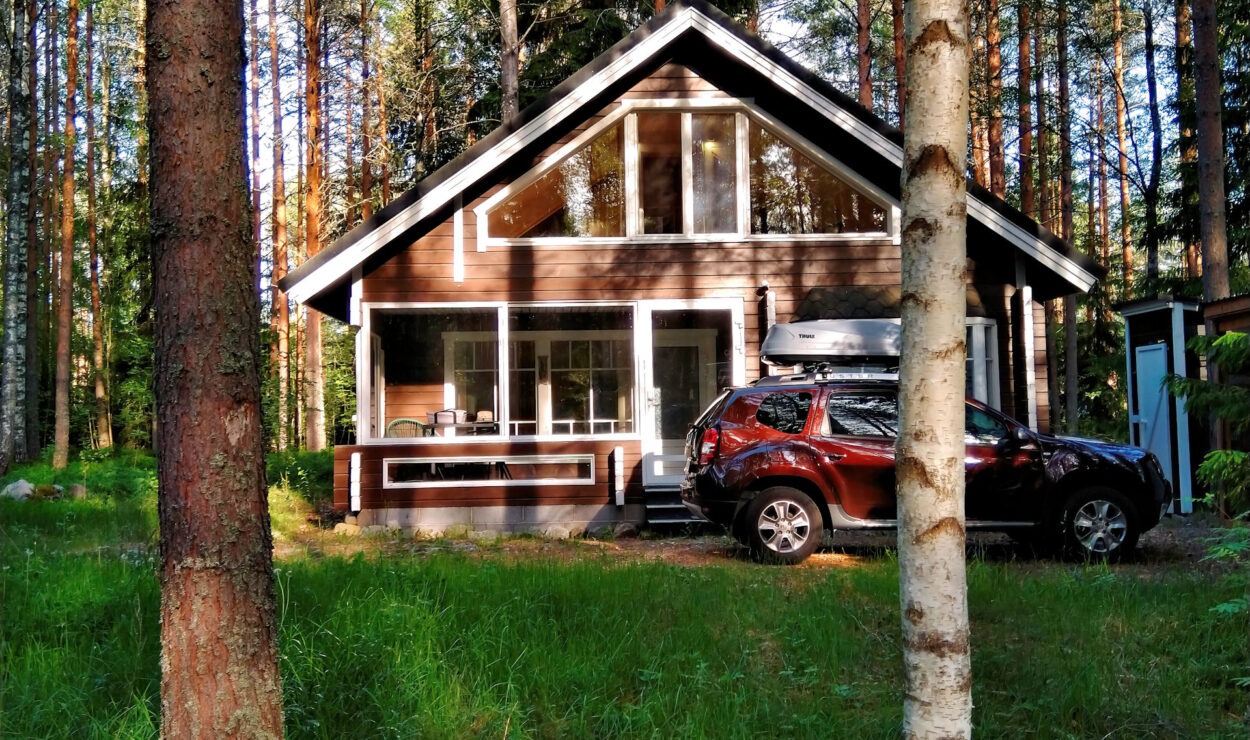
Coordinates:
1210 152
17 211
33 261
65 310
930 447
219 657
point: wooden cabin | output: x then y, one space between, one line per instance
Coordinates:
540 320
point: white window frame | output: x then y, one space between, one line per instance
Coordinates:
583 459
982 350
746 113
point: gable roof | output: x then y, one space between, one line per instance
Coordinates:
698 35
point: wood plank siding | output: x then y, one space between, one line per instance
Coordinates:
374 495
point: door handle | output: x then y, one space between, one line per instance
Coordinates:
834 457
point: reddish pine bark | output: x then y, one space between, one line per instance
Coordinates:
219 657
65 309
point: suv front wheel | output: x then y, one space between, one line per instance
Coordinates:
783 526
1099 523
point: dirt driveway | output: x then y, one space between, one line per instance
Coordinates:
1178 543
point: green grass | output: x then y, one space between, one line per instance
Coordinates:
446 643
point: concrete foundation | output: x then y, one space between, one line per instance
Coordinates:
571 520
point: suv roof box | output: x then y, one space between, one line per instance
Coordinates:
833 341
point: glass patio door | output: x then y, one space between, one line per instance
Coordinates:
693 355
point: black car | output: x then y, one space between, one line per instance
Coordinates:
781 462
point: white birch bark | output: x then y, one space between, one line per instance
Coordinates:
17 249
930 448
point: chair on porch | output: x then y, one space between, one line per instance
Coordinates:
405 428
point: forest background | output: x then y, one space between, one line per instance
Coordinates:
1082 116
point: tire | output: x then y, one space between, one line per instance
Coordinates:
1098 523
783 526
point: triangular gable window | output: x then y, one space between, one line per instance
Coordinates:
582 196
791 194
683 173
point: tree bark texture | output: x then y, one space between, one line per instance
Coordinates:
314 398
1071 381
994 70
1186 142
863 44
1023 82
509 61
930 448
219 659
1212 216
1121 127
17 211
366 112
900 60
65 310
103 420
33 261
281 308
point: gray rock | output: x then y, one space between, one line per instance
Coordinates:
625 531
19 490
345 528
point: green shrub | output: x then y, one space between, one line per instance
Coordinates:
309 474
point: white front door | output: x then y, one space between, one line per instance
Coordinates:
694 351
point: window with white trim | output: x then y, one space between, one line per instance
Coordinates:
684 173
982 362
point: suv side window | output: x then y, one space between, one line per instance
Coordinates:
785 412
982 429
863 414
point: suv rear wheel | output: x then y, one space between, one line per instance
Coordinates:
1099 523
783 526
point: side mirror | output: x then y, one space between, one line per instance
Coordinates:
1015 439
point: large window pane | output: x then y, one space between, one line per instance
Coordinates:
582 196
421 353
659 161
571 370
791 194
713 169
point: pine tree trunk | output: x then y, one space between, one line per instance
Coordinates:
1023 82
103 422
218 617
366 115
1043 137
930 448
1071 379
1104 188
1186 143
253 75
64 325
281 308
863 45
1151 194
1213 223
509 60
17 212
1121 125
994 69
314 399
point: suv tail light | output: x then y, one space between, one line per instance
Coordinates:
707 446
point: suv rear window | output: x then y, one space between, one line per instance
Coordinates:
785 412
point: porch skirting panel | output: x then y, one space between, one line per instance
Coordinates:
561 520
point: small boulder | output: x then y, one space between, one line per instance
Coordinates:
345 528
625 531
77 491
18 490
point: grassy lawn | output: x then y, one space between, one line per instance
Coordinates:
392 638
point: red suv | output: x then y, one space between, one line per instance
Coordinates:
780 462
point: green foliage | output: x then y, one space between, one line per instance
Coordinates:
126 475
308 474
